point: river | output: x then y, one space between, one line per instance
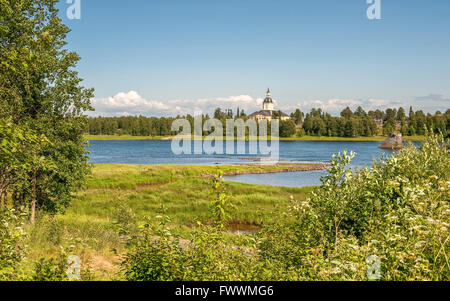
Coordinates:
159 152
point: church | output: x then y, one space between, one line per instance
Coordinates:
268 112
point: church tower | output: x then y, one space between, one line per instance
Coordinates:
268 102
268 110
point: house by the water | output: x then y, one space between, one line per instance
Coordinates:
268 112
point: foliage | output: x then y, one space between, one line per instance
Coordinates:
316 123
287 128
41 92
18 156
222 203
59 268
155 255
51 269
160 255
395 213
124 220
398 210
12 242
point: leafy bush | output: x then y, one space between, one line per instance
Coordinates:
51 269
155 255
387 222
222 203
12 242
63 267
397 211
124 220
159 255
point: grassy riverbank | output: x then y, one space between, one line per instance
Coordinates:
304 138
120 195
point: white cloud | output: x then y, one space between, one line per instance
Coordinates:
131 103
126 104
335 105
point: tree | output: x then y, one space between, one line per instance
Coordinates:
390 114
297 116
218 114
401 115
41 91
360 112
287 128
347 113
389 127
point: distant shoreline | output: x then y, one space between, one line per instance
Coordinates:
304 138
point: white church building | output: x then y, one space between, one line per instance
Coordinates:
268 110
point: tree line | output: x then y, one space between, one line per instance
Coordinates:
372 123
315 123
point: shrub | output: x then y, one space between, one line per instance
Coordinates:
63 267
124 220
12 242
387 222
155 255
51 269
398 211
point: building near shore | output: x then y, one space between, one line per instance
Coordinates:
268 112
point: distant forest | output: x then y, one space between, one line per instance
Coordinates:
315 123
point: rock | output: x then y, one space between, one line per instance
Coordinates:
394 141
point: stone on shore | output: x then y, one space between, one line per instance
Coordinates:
394 141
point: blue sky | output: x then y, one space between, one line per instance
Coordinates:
163 57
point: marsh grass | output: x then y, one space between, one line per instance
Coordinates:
117 198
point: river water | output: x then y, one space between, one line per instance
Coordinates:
160 152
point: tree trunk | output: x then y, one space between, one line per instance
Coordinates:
2 205
33 200
33 211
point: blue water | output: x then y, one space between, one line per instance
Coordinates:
159 152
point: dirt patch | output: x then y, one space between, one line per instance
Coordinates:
243 227
144 186
107 265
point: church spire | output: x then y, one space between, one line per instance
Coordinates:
268 92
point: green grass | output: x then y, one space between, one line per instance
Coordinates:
304 138
182 192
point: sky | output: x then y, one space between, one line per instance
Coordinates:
170 57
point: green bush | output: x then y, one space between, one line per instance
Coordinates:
63 267
51 269
124 220
155 255
12 243
398 211
387 222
